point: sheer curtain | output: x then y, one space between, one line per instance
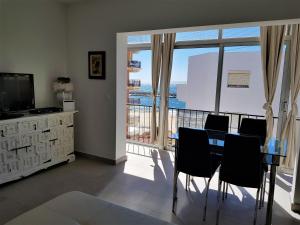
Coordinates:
289 131
272 41
166 68
156 47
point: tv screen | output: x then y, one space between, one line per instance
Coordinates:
16 92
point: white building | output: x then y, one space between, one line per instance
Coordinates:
200 90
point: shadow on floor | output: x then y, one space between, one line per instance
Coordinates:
143 183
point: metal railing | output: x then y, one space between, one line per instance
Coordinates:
139 121
134 83
134 101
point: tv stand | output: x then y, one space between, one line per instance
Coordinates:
35 142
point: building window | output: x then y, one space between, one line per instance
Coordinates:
238 79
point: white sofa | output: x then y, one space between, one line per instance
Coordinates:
77 208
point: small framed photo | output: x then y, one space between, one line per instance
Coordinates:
97 65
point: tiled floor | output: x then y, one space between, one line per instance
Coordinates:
143 183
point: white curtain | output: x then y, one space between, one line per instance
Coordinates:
272 40
156 47
167 59
289 131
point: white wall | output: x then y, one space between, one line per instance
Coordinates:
93 26
34 41
182 92
246 100
200 90
1 34
121 86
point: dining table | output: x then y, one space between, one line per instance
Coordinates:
272 152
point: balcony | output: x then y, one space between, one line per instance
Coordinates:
134 84
139 121
134 66
134 101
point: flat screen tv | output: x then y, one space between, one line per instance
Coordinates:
16 92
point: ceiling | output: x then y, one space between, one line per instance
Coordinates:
68 1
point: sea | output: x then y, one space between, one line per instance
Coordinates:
147 100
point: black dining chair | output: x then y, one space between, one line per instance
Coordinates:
241 165
193 157
217 125
256 127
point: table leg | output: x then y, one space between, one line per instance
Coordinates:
271 195
176 147
175 181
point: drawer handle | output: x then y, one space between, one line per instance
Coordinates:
16 149
46 131
47 161
70 126
55 139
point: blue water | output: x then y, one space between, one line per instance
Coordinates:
146 100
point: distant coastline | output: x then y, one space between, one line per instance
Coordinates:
147 100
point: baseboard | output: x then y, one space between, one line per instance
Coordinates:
295 207
121 159
102 159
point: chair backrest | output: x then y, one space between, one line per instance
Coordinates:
193 154
242 161
217 122
254 127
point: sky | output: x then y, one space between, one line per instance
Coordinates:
181 56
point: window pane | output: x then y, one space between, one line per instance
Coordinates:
195 72
139 39
142 76
197 35
241 32
247 95
237 99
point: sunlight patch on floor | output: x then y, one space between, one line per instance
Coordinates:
283 198
149 163
148 166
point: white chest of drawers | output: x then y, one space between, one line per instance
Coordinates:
33 143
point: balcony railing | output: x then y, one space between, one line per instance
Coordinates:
134 101
139 121
134 83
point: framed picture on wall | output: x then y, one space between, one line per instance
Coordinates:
97 65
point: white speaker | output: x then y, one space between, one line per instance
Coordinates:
68 105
